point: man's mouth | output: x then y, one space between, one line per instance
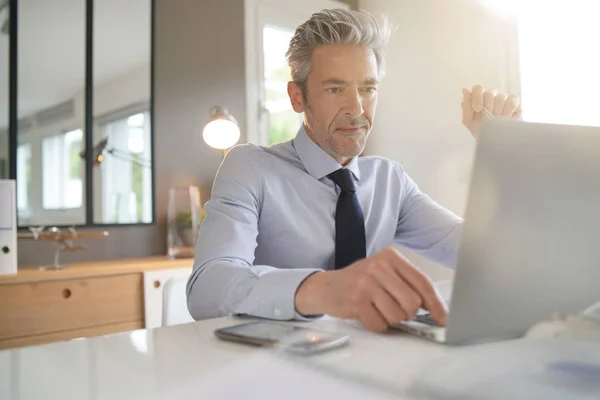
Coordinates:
351 128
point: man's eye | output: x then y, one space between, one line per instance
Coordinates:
370 89
334 90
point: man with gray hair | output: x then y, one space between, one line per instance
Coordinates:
306 228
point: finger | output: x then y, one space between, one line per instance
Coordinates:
400 291
371 318
477 98
371 291
388 307
518 114
488 100
467 108
413 301
422 286
432 301
499 102
511 105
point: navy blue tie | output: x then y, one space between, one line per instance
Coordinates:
350 238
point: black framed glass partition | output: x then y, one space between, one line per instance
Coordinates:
51 112
83 70
121 107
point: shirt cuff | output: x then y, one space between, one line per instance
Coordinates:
273 295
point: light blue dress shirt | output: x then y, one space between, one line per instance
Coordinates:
271 222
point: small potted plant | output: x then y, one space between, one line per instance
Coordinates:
184 216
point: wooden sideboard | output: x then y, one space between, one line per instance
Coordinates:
87 299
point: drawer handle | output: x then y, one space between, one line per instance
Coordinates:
156 284
66 293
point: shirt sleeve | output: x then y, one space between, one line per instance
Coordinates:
426 227
224 280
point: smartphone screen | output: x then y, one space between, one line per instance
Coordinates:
267 331
293 337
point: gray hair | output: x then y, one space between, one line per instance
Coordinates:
336 26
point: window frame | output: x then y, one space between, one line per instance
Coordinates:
15 137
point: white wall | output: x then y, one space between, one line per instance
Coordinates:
118 93
439 47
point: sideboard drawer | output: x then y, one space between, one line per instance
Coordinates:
53 306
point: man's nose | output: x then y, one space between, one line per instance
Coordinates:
354 105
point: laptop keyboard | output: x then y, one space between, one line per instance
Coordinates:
425 319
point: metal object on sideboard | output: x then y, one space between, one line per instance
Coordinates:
64 239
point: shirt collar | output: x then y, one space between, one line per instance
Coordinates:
318 162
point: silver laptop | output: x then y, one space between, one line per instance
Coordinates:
531 240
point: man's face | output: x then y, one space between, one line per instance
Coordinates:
341 97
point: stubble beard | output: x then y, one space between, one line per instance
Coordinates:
341 147
334 146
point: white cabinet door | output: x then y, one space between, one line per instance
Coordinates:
154 281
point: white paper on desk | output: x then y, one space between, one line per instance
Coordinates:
524 369
270 377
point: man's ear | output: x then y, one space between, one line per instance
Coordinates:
296 97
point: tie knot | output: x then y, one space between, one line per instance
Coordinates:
343 178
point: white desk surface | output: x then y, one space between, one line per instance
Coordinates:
157 363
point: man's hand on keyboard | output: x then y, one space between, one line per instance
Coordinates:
381 290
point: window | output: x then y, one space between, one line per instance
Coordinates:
23 177
126 170
283 122
560 63
62 171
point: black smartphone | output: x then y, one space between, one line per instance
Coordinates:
294 338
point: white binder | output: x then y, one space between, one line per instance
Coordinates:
8 227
